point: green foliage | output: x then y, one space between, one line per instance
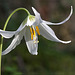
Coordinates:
11 70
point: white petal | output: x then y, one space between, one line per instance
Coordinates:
32 47
7 34
37 16
49 34
50 23
16 41
21 26
35 12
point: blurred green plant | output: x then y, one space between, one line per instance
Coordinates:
8 70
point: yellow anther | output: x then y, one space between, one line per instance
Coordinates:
34 33
37 30
31 33
31 36
31 30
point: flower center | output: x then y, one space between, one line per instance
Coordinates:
33 33
31 18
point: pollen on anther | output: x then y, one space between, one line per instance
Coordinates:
31 33
37 30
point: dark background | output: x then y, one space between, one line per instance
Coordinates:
53 58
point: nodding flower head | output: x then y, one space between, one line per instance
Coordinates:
30 29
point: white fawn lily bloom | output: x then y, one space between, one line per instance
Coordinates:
30 29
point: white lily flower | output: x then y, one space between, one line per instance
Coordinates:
30 29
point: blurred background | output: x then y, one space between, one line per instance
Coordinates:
53 58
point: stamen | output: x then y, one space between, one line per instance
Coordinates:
37 30
34 33
32 36
31 30
31 33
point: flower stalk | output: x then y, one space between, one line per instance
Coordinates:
1 44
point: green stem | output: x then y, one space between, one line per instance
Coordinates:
5 28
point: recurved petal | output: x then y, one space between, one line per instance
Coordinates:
37 16
49 34
7 34
50 23
32 47
16 41
35 12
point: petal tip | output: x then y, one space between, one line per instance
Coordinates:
33 8
35 11
66 42
71 9
35 53
69 41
